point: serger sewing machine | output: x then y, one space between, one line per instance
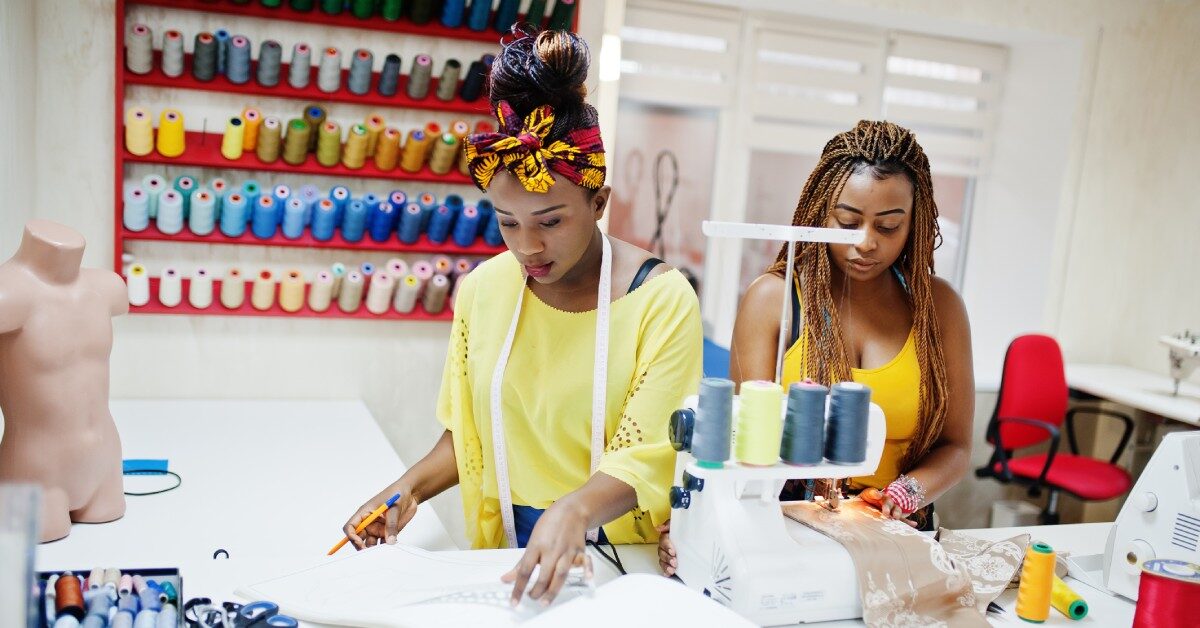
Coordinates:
1184 355
735 545
1161 516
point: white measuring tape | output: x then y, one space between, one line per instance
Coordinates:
599 394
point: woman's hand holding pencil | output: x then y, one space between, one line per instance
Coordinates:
380 519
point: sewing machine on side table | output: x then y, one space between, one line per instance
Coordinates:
1184 355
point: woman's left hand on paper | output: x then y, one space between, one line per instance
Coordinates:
555 546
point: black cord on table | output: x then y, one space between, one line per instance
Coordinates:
178 481
615 559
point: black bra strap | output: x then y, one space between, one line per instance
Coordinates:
642 273
794 290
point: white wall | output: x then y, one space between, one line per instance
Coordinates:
17 110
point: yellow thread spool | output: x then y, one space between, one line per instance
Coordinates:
355 154
233 289
329 144
291 292
413 156
375 126
269 138
1066 601
460 129
1037 581
314 115
387 153
759 423
262 294
170 141
433 131
231 144
139 131
252 118
444 152
295 145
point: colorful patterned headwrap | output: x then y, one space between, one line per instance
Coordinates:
520 148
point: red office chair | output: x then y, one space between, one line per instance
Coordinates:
1031 409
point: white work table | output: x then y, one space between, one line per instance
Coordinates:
271 482
1142 390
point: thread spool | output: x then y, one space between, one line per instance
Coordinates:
442 265
390 10
172 53
466 227
315 116
293 218
452 13
354 155
362 9
447 85
262 293
204 57
324 220
436 292
233 215
139 583
238 70
139 131
412 157
329 71
804 425
332 7
146 618
354 221
340 195
295 144
270 58
714 421
410 224
170 288
282 194
368 270
320 294
154 185
418 79
329 144
387 149
202 219
433 130
300 68
462 266
491 232
759 423
232 144
233 289
251 120
439 224
135 214
506 15
1066 601
472 87
370 199
252 191
264 221
139 49
535 14
185 184
350 296
362 64
406 293
125 585
379 297
170 140
168 617
291 292
375 125
123 619
396 267
1037 581
423 271
170 212
562 15
219 187
200 289
268 140
445 152
421 11
338 270
93 581
222 36
379 221
302 5
127 602
398 200
479 14
138 284
846 429
1167 592
428 203
389 76
486 212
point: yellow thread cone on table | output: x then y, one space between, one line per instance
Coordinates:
233 289
262 294
1037 581
170 142
354 156
251 117
235 136
445 151
387 152
413 155
139 131
760 423
291 291
375 126
1066 601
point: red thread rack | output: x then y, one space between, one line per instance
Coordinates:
306 241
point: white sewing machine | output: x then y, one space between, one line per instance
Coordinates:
1161 517
1184 355
735 545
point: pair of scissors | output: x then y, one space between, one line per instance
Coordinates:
203 613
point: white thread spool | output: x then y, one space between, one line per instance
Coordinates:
397 268
379 297
200 289
435 294
139 49
350 297
329 73
139 285
233 289
262 294
291 292
170 288
407 291
320 295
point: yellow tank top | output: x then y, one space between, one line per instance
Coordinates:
895 388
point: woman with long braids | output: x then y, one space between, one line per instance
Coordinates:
567 353
874 313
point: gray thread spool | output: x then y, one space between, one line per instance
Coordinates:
301 67
139 49
804 425
418 80
172 58
204 57
329 75
846 430
270 55
222 36
361 66
473 85
389 76
239 60
714 422
448 83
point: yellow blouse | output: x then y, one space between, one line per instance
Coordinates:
654 362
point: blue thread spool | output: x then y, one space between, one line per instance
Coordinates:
233 218
478 14
399 200
281 194
222 36
491 232
355 221
380 221
371 199
237 64
454 202
310 194
714 423
219 187
293 218
440 224
99 605
146 619
466 227
168 617
185 184
410 224
340 195
846 430
324 220
123 619
127 602
506 15
452 13
94 621
204 212
149 599
252 190
135 214
170 212
486 212
264 222
154 185
804 425
367 269
428 203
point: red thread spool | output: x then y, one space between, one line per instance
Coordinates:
1167 594
68 596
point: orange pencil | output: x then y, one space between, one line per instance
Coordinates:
366 522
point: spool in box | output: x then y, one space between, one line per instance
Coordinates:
167 589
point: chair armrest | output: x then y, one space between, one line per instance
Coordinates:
1050 428
1070 421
